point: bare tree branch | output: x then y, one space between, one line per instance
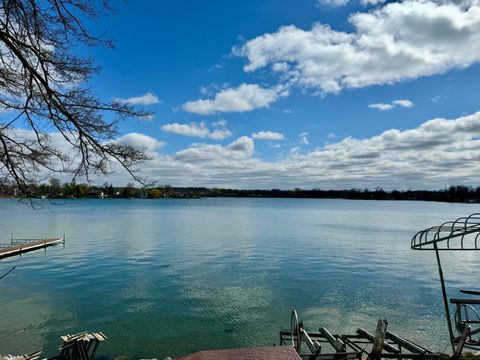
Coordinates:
44 91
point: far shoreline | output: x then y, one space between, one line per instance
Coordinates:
452 194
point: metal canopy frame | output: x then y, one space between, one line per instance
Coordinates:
465 233
460 235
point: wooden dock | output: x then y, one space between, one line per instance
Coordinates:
20 246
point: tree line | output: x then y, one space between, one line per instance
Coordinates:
54 189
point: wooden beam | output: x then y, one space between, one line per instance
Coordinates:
378 342
336 343
386 346
407 344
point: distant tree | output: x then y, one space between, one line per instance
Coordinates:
108 189
44 91
129 190
55 187
6 187
80 190
154 193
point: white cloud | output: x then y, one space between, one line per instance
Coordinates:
145 99
141 141
332 3
280 67
403 103
381 106
388 106
371 2
304 138
246 97
268 135
209 90
439 152
396 42
242 145
199 130
241 148
220 123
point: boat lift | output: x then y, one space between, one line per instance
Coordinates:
460 235
381 344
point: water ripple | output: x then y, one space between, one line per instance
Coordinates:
163 278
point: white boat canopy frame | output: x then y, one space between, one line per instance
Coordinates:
462 234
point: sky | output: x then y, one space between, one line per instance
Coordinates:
327 94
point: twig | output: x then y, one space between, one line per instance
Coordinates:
8 272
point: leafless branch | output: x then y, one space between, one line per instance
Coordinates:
44 91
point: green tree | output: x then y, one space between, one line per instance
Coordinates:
154 193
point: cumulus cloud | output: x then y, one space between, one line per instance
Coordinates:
268 135
396 42
388 106
241 148
242 145
141 141
403 103
145 99
438 152
199 130
246 97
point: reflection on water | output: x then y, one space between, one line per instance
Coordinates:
167 277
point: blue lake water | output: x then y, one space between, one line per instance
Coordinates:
168 277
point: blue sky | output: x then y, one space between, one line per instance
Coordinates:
329 94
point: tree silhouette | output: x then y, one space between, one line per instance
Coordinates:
52 122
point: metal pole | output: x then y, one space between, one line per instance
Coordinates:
445 299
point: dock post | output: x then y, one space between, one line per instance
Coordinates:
377 348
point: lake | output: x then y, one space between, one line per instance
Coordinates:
168 277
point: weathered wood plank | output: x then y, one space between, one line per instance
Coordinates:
407 344
378 342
